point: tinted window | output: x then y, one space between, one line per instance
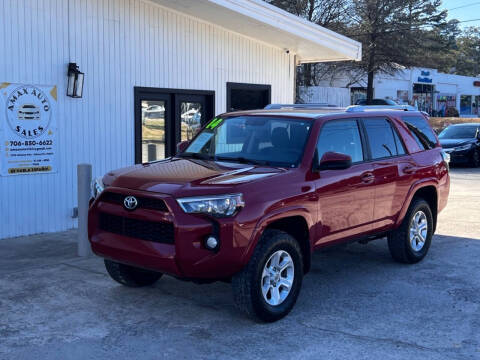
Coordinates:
421 131
459 132
341 136
381 138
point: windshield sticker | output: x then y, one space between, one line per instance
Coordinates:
199 142
214 123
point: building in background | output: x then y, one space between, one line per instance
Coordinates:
428 89
154 71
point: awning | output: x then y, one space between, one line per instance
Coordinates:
267 23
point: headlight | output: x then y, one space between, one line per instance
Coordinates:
219 206
97 187
463 147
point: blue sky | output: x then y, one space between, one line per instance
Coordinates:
466 13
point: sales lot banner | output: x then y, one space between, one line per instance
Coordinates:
28 129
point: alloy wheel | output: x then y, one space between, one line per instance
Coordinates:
418 231
277 278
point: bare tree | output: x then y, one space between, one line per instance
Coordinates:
332 14
392 32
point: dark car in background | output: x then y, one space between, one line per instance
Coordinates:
462 142
376 102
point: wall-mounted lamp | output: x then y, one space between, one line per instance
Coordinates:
75 81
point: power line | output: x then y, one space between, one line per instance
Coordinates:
464 6
464 21
416 28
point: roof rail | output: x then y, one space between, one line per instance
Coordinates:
299 106
360 108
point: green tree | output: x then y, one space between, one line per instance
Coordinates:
395 32
468 52
392 32
441 51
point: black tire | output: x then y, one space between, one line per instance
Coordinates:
399 243
246 284
131 276
476 158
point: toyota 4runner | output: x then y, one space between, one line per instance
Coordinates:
255 193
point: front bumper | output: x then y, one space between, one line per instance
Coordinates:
184 255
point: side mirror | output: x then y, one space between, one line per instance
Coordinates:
334 161
182 146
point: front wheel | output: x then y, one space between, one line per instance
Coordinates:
131 276
268 287
410 242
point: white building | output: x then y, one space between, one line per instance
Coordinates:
429 89
154 71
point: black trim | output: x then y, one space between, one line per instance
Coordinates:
367 154
172 113
245 86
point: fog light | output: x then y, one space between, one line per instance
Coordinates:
211 243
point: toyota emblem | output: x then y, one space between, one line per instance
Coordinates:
130 203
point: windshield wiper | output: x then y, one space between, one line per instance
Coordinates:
242 160
195 156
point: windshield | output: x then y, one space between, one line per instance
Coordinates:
459 132
248 139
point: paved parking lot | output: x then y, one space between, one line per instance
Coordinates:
355 304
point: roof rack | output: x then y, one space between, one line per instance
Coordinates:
300 106
360 108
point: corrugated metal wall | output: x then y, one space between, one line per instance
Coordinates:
330 95
118 44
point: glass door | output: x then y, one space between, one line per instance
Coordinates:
165 117
153 130
152 127
191 111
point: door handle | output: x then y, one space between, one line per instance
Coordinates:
368 178
409 169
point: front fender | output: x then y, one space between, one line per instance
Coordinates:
268 219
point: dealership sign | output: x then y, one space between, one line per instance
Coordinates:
28 129
425 77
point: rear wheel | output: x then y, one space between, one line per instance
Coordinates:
131 276
410 242
268 287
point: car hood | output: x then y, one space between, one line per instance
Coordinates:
449 143
187 176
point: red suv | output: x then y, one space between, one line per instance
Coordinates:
255 193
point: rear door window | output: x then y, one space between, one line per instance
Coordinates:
341 136
383 139
421 131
